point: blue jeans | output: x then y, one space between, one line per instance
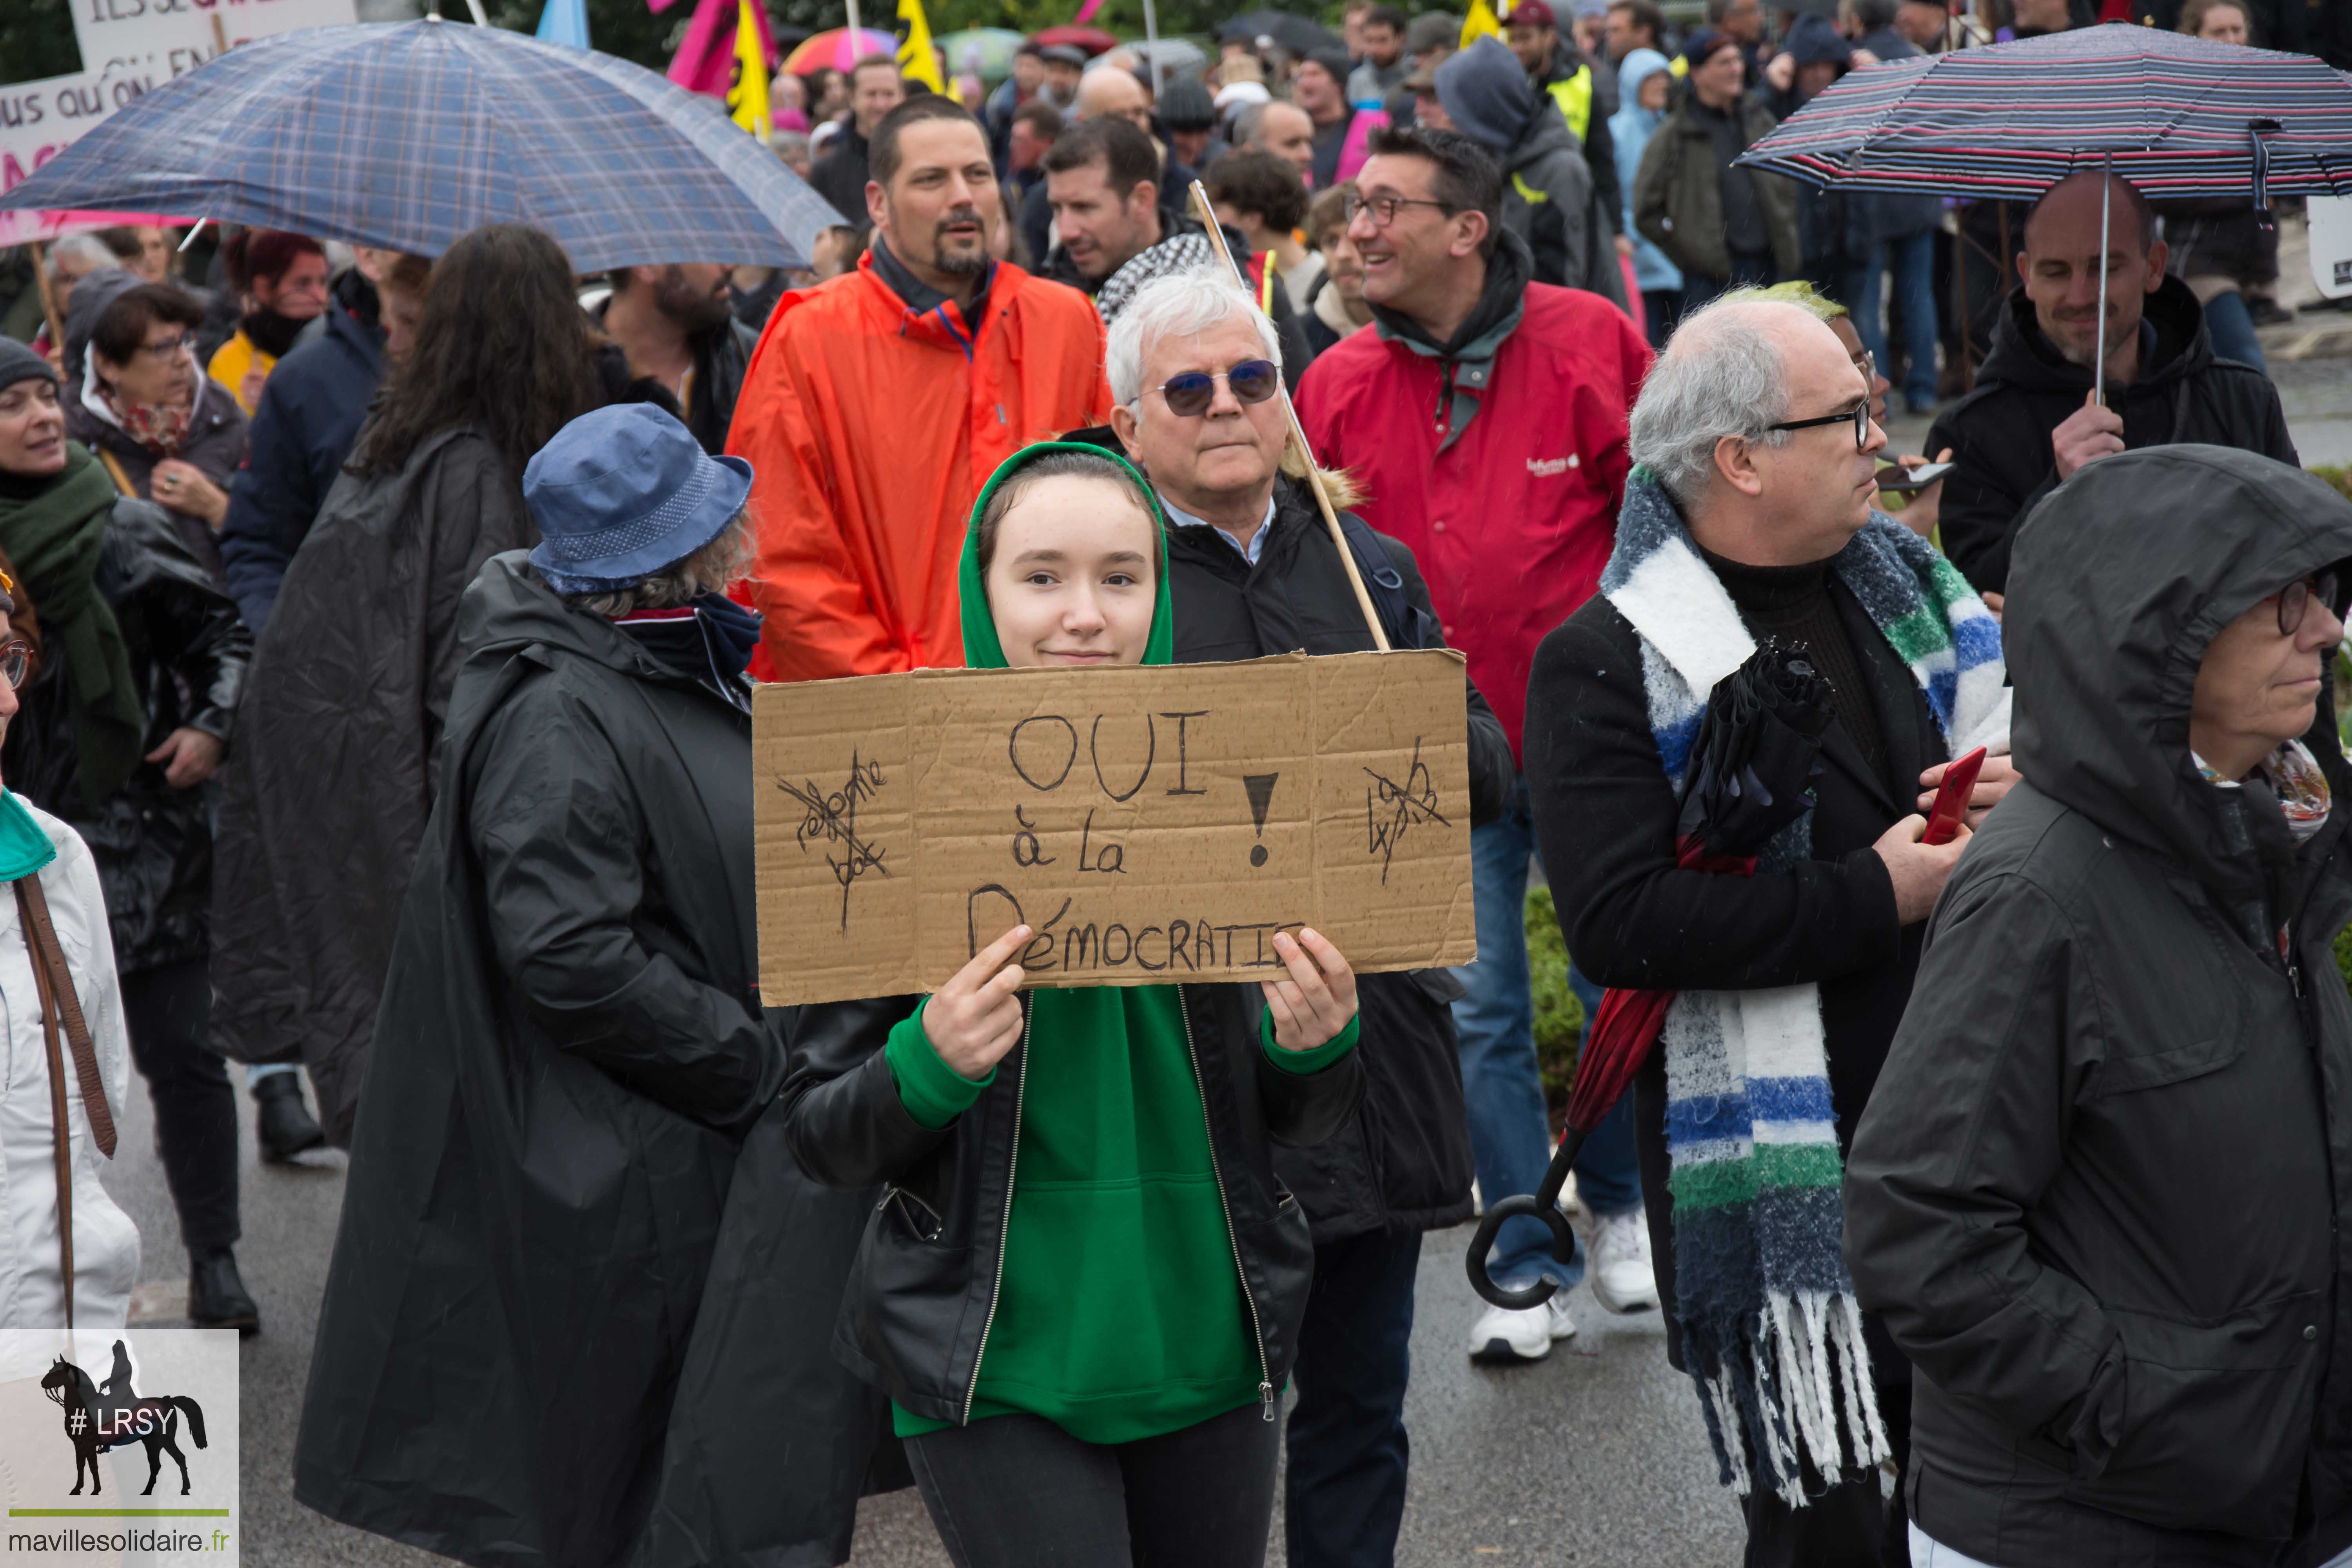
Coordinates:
1913 261
1660 308
1699 288
1510 1138
2232 329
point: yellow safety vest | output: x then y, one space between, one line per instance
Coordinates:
1574 96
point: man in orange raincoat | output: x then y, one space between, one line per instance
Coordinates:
880 402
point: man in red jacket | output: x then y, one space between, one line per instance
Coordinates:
1485 417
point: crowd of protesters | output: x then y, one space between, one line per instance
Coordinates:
377 640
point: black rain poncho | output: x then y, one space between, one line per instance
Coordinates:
571 1049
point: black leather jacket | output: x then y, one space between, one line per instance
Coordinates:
153 843
916 1314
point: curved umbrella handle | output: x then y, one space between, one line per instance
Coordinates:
1543 1203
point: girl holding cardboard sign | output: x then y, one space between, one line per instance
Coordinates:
1084 1286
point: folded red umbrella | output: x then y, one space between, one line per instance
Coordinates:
1756 748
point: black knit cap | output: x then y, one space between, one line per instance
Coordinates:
1336 62
18 362
1186 105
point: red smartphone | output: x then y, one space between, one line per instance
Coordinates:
1952 798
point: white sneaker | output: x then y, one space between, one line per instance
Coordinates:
1618 1263
1502 1334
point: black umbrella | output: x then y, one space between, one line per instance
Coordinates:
1299 35
1758 748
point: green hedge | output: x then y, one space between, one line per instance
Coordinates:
1560 1016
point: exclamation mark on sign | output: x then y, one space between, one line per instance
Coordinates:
1261 792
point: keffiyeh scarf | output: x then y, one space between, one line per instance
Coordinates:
1771 1332
1181 253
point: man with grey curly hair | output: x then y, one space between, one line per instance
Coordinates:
1746 521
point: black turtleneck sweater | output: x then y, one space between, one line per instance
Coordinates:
1797 606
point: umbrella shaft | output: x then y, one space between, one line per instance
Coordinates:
2106 201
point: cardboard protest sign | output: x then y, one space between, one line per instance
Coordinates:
1151 824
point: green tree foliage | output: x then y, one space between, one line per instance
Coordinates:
36 40
623 27
632 31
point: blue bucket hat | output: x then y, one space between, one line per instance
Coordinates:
623 492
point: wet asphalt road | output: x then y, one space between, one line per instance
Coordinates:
1595 1456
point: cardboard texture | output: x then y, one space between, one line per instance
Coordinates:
1152 824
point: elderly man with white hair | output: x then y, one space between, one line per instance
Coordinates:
1194 369
1748 517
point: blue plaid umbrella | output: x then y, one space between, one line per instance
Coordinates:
408 135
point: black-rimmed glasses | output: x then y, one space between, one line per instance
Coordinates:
1384 208
1858 416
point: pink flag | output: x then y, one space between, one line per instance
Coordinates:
706 60
1086 12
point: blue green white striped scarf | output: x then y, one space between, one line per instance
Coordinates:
1770 1330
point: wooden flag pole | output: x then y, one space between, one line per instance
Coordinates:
1208 216
48 298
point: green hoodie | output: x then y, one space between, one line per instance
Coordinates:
1119 1313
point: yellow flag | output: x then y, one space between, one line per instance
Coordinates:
916 60
747 95
1481 23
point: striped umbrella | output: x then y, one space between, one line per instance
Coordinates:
2176 116
407 135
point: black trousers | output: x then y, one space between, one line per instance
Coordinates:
1845 1526
167 1011
1343 1495
1017 1491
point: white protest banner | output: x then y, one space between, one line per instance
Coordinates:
127 47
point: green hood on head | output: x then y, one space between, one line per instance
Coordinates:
981 649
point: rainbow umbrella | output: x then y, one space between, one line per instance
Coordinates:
839 48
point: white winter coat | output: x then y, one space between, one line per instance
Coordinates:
106 1242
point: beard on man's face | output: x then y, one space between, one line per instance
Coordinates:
693 310
964 252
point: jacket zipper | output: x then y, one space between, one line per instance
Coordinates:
1216 1172
1004 1227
